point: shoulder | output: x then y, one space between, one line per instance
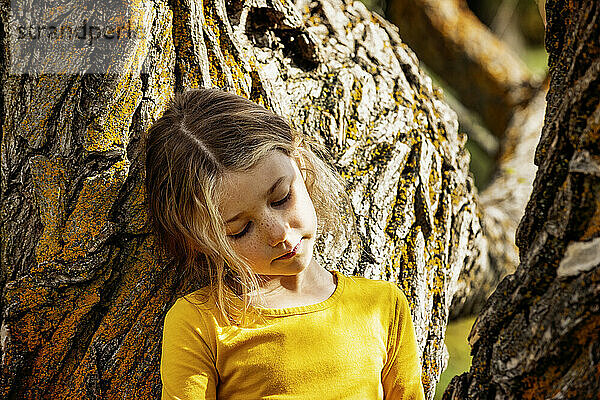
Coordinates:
377 292
375 288
191 308
190 322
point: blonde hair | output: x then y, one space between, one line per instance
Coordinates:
202 134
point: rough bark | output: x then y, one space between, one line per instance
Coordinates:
538 336
483 71
488 77
82 298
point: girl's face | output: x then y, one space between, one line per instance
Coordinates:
268 214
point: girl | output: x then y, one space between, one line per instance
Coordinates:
238 197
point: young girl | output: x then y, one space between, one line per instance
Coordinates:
238 198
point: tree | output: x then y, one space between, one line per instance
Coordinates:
537 336
491 80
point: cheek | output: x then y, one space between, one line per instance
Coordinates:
309 215
247 248
312 211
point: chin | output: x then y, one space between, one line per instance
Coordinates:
290 269
294 268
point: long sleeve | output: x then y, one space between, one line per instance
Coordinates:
187 366
401 376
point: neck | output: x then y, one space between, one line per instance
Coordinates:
311 280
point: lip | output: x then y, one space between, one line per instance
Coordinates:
291 253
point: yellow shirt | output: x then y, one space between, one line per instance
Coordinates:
358 344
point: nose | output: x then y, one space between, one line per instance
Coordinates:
277 232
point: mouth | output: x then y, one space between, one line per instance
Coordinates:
291 253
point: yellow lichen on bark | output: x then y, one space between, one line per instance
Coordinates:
89 218
50 187
131 316
226 48
111 130
34 124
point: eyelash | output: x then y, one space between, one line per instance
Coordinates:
284 200
277 203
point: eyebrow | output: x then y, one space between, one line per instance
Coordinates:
269 192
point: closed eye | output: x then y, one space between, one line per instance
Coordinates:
285 199
275 204
242 233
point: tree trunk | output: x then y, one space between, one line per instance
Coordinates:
491 80
538 336
83 300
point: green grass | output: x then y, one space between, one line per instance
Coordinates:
459 349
